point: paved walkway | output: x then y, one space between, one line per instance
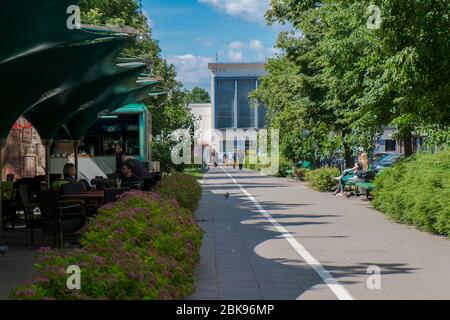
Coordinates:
295 243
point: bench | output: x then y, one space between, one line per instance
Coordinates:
368 186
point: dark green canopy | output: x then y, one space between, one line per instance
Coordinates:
30 26
50 115
30 80
83 120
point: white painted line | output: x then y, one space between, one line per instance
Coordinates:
339 290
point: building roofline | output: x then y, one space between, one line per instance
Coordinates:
238 65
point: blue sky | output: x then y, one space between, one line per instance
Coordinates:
192 32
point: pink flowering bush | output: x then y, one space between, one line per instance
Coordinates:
184 188
143 247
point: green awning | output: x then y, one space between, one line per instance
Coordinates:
30 26
83 120
49 116
32 79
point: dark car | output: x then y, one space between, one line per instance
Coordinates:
378 156
388 161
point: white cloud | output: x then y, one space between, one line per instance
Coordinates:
254 50
192 70
235 56
236 45
252 10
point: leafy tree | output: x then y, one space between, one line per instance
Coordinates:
168 111
197 95
338 78
409 69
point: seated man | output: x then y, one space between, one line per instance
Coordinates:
129 179
139 169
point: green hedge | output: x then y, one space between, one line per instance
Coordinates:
323 179
184 188
143 247
417 192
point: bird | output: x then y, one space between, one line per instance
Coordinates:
227 196
3 250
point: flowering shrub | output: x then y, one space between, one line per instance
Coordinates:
143 247
184 188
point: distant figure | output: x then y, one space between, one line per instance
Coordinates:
241 159
119 155
225 158
214 157
234 159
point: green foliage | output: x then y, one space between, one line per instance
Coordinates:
169 112
300 173
337 82
144 247
417 192
184 188
323 179
197 95
285 165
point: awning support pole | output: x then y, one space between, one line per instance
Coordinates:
47 144
76 147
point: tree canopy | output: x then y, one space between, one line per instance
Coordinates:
339 81
169 111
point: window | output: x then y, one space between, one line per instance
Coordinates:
246 112
391 145
225 104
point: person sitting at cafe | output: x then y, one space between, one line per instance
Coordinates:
139 169
69 173
129 179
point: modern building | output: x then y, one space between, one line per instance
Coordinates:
231 107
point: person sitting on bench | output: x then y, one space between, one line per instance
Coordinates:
352 175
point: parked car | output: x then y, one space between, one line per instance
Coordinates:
378 156
388 161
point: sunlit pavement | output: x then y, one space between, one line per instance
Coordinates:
285 248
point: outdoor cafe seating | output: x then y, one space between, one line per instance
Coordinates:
27 204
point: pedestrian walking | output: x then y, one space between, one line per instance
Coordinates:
241 158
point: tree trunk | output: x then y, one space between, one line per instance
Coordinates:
348 152
407 142
349 163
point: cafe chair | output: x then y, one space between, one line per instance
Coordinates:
8 204
147 183
60 217
32 221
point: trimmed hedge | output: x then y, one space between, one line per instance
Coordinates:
323 179
184 188
144 247
417 192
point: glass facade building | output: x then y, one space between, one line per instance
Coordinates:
233 106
